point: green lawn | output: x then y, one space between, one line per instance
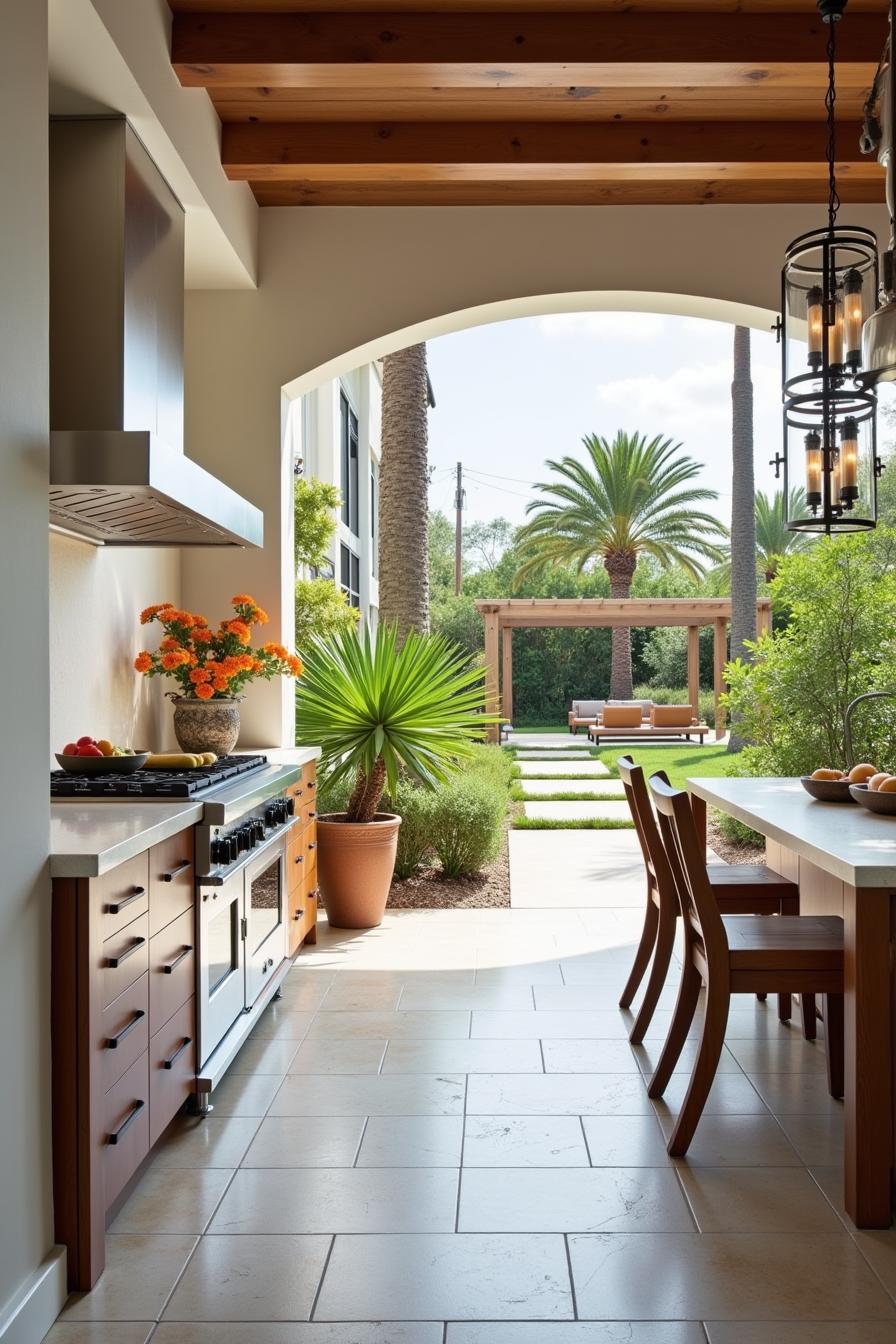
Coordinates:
678 761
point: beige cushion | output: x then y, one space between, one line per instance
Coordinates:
587 709
622 716
671 716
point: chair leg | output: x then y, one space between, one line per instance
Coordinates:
711 1042
643 953
665 939
685 1007
808 1013
834 1043
785 1007
762 997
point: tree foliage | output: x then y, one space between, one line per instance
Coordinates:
321 609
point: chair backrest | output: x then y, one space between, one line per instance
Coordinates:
638 799
687 860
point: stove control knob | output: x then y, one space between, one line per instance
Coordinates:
291 807
217 851
258 828
233 852
270 815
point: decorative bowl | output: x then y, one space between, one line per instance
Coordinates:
102 765
883 803
828 790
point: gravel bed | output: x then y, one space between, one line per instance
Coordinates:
429 890
729 850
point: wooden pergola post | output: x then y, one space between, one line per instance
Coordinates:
720 657
694 669
492 672
507 673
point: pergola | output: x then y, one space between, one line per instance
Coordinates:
505 615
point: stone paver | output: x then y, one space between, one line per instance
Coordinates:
575 869
567 755
544 810
545 787
564 769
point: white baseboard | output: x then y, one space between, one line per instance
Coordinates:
33 1312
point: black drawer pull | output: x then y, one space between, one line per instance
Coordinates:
311 816
116 907
172 965
312 844
169 1062
113 1041
176 872
127 1121
300 858
311 784
115 962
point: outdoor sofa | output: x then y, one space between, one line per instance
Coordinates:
662 723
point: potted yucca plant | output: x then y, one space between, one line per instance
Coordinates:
376 709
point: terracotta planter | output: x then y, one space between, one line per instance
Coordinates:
355 862
206 725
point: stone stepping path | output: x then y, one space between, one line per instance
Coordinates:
545 787
589 769
583 811
568 754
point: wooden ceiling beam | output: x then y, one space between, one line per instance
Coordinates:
284 152
517 6
467 49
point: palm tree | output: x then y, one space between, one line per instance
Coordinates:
743 512
629 498
404 486
773 541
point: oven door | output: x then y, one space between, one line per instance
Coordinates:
266 917
221 962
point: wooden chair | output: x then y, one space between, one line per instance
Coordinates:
739 889
791 954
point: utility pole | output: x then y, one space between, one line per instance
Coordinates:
458 528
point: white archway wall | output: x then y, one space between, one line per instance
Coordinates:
339 287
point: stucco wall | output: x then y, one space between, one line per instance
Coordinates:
338 288
96 596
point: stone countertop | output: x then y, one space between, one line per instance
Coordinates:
90 838
844 839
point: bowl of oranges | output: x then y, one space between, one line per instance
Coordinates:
877 793
836 786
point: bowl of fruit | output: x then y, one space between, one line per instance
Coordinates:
877 793
829 785
89 756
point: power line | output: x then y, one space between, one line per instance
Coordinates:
521 480
489 485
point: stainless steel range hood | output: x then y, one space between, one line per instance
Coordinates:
118 473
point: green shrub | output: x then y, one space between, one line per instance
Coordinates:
736 831
415 806
467 823
491 762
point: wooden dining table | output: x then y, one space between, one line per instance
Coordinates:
844 859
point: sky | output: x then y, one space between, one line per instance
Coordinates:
511 394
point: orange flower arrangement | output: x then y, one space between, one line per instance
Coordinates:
207 663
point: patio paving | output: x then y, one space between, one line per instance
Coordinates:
568 754
542 787
483 1165
568 810
591 768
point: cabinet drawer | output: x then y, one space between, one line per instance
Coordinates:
124 1031
172 969
125 1132
305 787
298 859
125 958
172 1068
171 879
122 895
308 812
302 914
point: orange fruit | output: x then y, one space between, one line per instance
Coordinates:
875 781
860 774
824 773
889 785
105 746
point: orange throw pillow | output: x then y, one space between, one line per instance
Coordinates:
622 716
671 716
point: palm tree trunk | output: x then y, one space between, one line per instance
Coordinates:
404 481
743 510
620 566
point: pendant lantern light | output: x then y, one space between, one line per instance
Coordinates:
828 285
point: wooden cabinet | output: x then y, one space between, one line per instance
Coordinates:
301 862
124 1033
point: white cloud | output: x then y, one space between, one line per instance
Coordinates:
613 326
692 396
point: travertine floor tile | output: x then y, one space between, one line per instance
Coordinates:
757 1199
720 1276
779 1054
171 1200
400 1094
790 1332
594 1056
796 1093
605 1199
389 1026
648 1056
139 1275
421 997
99 1332
625 1141
556 1094
246 1094
281 1021
300 1332
326 1200
456 1057
369 998
524 1141
736 1141
575 1332
455 1277
345 1056
497 1024
554 998
818 1139
209 1141
260 1055
412 1141
245 1278
730 1094
289 1141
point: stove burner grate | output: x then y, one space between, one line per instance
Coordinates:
153 783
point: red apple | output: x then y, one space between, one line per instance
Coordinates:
70 749
86 741
89 749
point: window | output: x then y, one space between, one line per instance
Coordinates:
348 428
374 519
350 575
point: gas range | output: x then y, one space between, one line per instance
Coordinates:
149 784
